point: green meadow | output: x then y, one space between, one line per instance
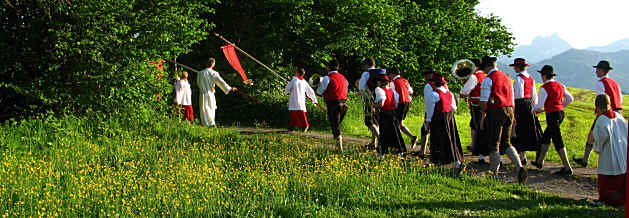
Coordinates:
71 166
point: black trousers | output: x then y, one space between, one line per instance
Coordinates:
499 122
553 129
336 113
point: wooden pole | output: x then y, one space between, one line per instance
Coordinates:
252 58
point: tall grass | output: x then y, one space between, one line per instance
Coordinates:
73 166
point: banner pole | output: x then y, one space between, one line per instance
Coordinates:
252 58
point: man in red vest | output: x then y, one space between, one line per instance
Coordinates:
404 89
604 85
471 91
553 98
333 88
527 129
496 101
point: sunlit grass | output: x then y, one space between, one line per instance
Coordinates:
78 167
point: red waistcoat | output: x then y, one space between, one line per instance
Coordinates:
475 94
445 101
501 90
337 88
611 89
554 96
401 87
528 86
389 103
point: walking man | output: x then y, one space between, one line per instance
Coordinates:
207 80
496 101
333 88
553 98
404 89
471 91
605 85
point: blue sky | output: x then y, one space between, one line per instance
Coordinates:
582 23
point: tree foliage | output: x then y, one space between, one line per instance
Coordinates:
90 54
412 35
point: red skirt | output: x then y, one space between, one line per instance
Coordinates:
298 119
187 112
611 189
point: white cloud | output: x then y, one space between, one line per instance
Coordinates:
582 23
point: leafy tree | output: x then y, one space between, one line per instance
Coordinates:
92 55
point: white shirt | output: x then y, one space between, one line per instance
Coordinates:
469 85
298 89
325 82
183 92
518 87
539 107
392 85
362 83
600 88
381 96
485 90
431 102
610 142
207 81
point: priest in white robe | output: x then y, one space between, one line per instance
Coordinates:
207 80
298 89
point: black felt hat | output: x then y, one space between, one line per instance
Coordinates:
603 65
547 70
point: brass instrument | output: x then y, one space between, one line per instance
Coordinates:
315 80
463 69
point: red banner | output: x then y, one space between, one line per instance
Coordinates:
230 54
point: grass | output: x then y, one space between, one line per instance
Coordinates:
579 118
72 167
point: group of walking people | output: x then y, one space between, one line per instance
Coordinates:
504 116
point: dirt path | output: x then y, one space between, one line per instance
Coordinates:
581 185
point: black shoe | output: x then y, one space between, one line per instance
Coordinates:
481 162
563 171
537 164
461 169
414 140
580 161
523 175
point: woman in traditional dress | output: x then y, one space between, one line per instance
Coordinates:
390 138
445 144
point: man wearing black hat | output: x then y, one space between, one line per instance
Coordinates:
497 103
605 85
333 88
445 144
527 129
387 99
366 90
471 91
553 98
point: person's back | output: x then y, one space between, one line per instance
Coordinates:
610 141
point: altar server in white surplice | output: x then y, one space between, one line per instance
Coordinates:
299 90
207 80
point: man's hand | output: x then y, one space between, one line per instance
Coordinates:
234 89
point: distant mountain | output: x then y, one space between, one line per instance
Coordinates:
622 44
540 49
574 68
